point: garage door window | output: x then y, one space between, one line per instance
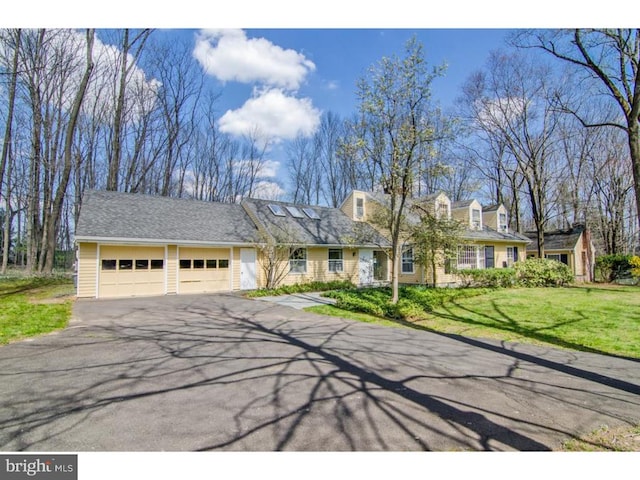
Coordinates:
108 264
157 264
142 264
198 264
212 263
125 265
223 263
185 263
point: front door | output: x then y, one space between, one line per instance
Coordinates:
366 266
247 268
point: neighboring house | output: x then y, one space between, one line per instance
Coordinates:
130 244
572 246
487 241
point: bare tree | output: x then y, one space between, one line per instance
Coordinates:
134 47
305 172
513 101
611 57
53 216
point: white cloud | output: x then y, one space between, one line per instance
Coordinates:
267 190
500 112
69 47
230 56
274 115
332 85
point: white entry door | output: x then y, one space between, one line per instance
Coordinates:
247 268
366 266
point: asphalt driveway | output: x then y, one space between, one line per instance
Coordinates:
219 372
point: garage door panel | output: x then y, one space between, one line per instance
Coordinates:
203 270
128 271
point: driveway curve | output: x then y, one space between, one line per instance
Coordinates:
221 372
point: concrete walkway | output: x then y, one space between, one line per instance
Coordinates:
299 301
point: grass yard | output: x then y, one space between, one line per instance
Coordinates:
31 306
594 318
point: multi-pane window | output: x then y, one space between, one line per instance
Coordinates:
558 257
137 264
201 264
442 210
502 222
359 207
407 261
335 260
476 222
298 260
470 256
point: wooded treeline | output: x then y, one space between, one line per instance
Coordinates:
126 110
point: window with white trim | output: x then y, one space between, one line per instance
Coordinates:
359 207
442 210
470 256
476 221
407 261
335 260
298 260
502 222
510 256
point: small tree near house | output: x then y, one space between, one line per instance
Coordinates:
275 253
435 239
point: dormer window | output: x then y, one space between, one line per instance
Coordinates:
502 222
359 208
476 221
442 210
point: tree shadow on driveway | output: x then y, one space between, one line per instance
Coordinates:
222 373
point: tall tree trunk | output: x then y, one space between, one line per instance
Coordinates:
11 102
6 238
54 220
116 144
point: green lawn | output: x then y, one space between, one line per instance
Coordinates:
33 306
596 318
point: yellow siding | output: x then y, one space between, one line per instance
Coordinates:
347 207
318 267
490 219
172 269
235 263
87 269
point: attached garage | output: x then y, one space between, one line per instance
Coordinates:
204 270
142 245
128 271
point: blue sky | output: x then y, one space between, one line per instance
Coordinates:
341 56
279 81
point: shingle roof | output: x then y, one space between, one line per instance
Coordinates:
489 234
557 239
332 228
106 214
461 204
